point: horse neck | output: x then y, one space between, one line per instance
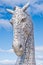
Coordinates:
29 56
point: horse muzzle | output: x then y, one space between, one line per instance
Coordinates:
18 49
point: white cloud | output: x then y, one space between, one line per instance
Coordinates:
39 48
7 62
13 2
39 55
8 51
39 62
5 24
37 8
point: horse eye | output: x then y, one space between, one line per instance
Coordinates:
23 20
20 46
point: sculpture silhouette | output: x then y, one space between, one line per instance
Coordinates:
23 36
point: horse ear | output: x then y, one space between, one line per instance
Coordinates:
10 11
25 7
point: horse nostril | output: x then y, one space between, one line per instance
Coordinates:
20 46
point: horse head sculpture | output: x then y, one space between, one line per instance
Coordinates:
23 38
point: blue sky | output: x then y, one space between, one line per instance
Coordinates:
7 56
